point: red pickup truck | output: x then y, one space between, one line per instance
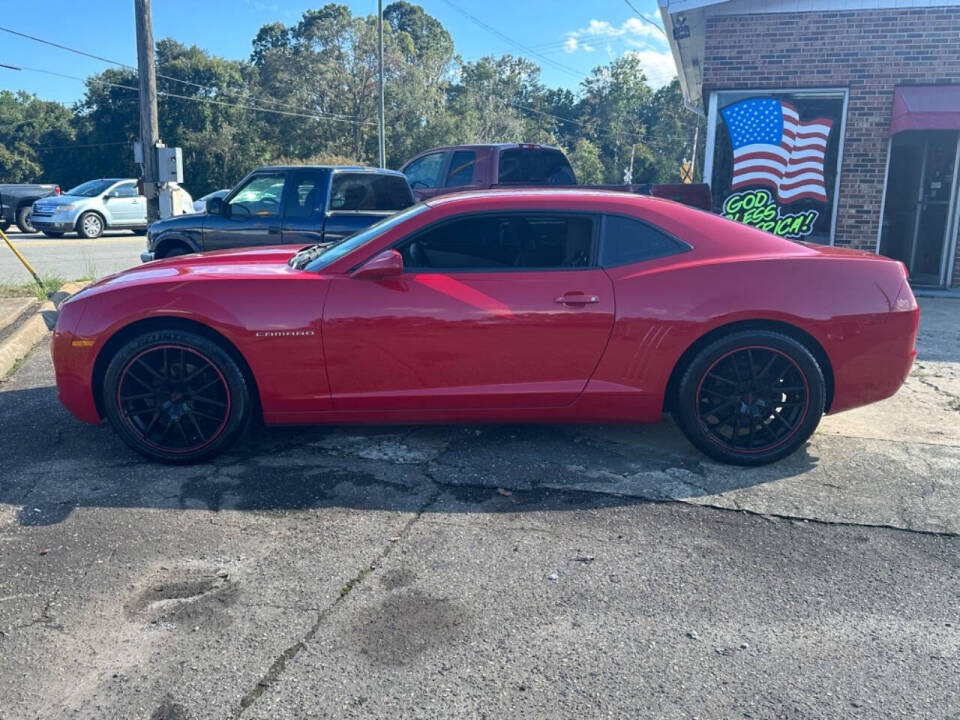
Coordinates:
456 168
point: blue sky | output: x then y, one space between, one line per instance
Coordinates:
571 36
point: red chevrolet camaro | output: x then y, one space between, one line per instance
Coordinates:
534 306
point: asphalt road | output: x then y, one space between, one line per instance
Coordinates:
70 257
488 572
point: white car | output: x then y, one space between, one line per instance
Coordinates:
200 206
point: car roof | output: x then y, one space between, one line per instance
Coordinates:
333 168
541 195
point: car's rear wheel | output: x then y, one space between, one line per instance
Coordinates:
90 225
751 397
176 396
4 224
23 220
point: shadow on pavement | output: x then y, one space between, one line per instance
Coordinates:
52 464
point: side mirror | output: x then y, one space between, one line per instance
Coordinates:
389 263
215 206
107 197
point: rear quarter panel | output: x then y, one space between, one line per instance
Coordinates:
847 304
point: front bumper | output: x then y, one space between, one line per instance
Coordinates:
46 223
147 257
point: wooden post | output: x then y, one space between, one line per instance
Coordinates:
149 125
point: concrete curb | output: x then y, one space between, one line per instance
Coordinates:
34 329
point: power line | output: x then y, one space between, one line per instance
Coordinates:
550 61
195 98
644 17
208 88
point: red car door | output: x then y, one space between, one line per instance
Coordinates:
496 311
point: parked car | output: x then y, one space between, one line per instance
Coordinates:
91 208
497 306
290 205
200 206
443 170
15 203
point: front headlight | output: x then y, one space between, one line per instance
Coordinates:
64 208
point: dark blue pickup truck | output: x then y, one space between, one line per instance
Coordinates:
289 205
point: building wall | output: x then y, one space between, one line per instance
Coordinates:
868 51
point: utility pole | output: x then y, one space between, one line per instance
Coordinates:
382 145
149 126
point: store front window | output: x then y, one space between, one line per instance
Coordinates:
774 159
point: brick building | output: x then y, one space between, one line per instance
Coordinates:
836 121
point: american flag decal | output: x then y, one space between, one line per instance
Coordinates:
773 147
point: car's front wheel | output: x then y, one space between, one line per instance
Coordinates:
23 220
751 397
176 396
90 225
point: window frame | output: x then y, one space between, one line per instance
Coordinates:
682 245
593 264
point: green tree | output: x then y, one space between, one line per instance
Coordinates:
585 159
32 131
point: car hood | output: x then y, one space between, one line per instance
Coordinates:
189 221
56 200
257 262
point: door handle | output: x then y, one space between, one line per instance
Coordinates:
274 230
576 299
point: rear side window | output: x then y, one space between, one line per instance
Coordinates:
305 192
127 190
502 242
535 166
627 241
369 191
461 168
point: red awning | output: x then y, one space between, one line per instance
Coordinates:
925 107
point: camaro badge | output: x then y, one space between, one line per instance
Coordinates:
283 333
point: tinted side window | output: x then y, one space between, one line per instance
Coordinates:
628 241
369 191
491 242
535 166
461 168
304 195
425 172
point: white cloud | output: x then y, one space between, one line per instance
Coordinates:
632 37
657 64
633 31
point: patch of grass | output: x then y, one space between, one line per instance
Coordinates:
51 284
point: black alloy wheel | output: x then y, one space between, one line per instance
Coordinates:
751 397
175 396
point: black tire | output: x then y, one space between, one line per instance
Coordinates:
53 234
4 225
167 405
23 220
139 230
751 397
90 225
174 251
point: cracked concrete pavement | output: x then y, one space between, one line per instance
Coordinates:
537 571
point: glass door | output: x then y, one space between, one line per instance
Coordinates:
921 190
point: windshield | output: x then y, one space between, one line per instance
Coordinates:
351 243
91 188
